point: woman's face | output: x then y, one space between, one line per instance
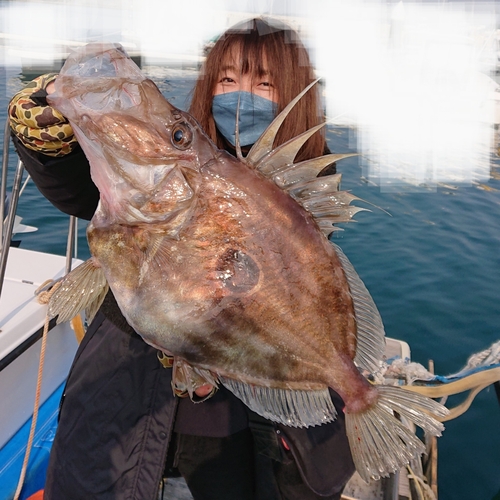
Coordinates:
231 79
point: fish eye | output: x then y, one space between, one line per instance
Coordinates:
181 136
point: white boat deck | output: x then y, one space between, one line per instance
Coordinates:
21 322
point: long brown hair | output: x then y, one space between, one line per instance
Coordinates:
290 71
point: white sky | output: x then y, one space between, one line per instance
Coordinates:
407 75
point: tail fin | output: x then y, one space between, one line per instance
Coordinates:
380 443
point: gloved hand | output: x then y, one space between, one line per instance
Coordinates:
37 125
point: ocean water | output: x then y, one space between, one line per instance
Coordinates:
430 258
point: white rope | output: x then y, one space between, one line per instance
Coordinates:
490 356
36 405
35 411
399 370
424 490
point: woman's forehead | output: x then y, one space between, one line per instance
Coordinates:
240 60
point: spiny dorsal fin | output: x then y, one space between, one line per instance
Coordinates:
283 155
84 288
326 222
321 197
264 144
316 185
328 184
306 170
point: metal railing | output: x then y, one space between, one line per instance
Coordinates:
6 229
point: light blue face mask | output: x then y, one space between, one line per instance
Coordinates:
256 113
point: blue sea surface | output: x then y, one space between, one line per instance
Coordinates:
430 256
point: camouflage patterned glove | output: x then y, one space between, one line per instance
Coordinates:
38 126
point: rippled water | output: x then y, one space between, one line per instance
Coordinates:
432 266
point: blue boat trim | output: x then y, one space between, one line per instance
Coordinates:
12 454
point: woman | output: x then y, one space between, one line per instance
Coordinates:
121 427
274 65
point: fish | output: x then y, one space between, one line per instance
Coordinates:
225 263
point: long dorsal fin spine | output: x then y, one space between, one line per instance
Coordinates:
340 199
292 174
315 194
283 155
239 154
265 142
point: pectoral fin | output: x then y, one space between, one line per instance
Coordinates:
84 288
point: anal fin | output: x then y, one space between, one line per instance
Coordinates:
294 408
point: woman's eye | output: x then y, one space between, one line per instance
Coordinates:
227 79
265 86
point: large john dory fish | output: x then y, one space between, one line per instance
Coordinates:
224 263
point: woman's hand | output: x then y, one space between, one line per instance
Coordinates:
51 87
204 390
36 124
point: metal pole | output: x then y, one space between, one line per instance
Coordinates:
9 224
5 167
70 246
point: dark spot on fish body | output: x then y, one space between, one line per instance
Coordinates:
238 272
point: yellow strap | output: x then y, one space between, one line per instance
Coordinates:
78 328
474 383
165 360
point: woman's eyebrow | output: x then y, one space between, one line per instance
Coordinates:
237 70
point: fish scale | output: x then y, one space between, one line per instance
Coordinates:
224 262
